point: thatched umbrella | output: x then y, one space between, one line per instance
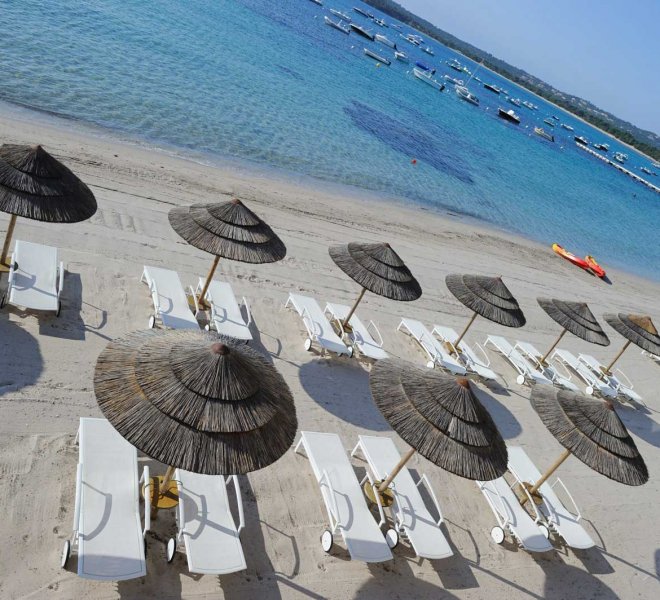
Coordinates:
591 430
194 401
441 418
638 329
576 318
35 185
377 268
227 230
485 296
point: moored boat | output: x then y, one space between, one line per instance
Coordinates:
567 127
508 115
428 50
492 88
384 40
454 64
359 11
453 80
402 56
362 31
422 66
428 79
581 140
341 15
549 122
337 25
464 94
515 102
544 134
603 147
378 57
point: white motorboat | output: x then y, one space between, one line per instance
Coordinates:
567 127
380 22
515 102
341 15
377 57
544 134
464 94
384 40
454 64
402 56
318 2
428 79
508 115
337 25
452 80
428 50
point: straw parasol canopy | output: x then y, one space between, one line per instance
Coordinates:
485 296
196 401
35 185
227 230
591 430
377 268
441 418
638 329
576 318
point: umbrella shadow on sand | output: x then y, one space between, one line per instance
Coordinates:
342 389
22 360
641 425
506 422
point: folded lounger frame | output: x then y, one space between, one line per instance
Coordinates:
436 352
410 514
556 515
345 503
107 533
532 354
474 364
226 315
624 389
361 339
35 278
171 306
594 383
319 329
206 528
529 533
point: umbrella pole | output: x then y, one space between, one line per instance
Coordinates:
165 483
10 233
350 312
460 337
545 356
209 277
617 357
395 471
564 455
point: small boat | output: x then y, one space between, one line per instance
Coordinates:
492 88
555 118
477 79
618 157
569 256
508 115
381 59
581 140
454 64
428 78
362 31
646 170
603 147
413 39
422 66
452 80
594 267
380 22
337 25
528 105
364 13
428 51
549 122
341 15
402 56
544 134
395 26
515 102
464 94
318 2
383 40
567 127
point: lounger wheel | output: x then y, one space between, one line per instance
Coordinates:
152 321
308 344
327 540
392 538
430 364
350 353
520 380
170 550
545 531
207 327
66 553
589 390
497 533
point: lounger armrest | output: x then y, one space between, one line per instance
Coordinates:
425 479
504 513
379 341
239 502
76 509
155 296
313 328
247 309
429 345
577 514
146 480
193 295
333 509
60 282
628 382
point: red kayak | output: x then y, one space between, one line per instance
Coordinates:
576 260
594 266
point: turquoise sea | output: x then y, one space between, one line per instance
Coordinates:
270 82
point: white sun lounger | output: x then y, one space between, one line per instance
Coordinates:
436 352
107 532
594 384
171 304
477 365
344 500
598 370
206 527
226 314
317 325
360 336
512 517
526 371
410 513
652 356
35 278
557 516
534 356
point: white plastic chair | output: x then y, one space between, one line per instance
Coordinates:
226 314
477 365
360 337
527 372
411 516
318 327
171 304
599 371
594 384
532 354
206 528
35 278
344 500
557 516
107 532
435 351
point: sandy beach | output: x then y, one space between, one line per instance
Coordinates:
48 364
